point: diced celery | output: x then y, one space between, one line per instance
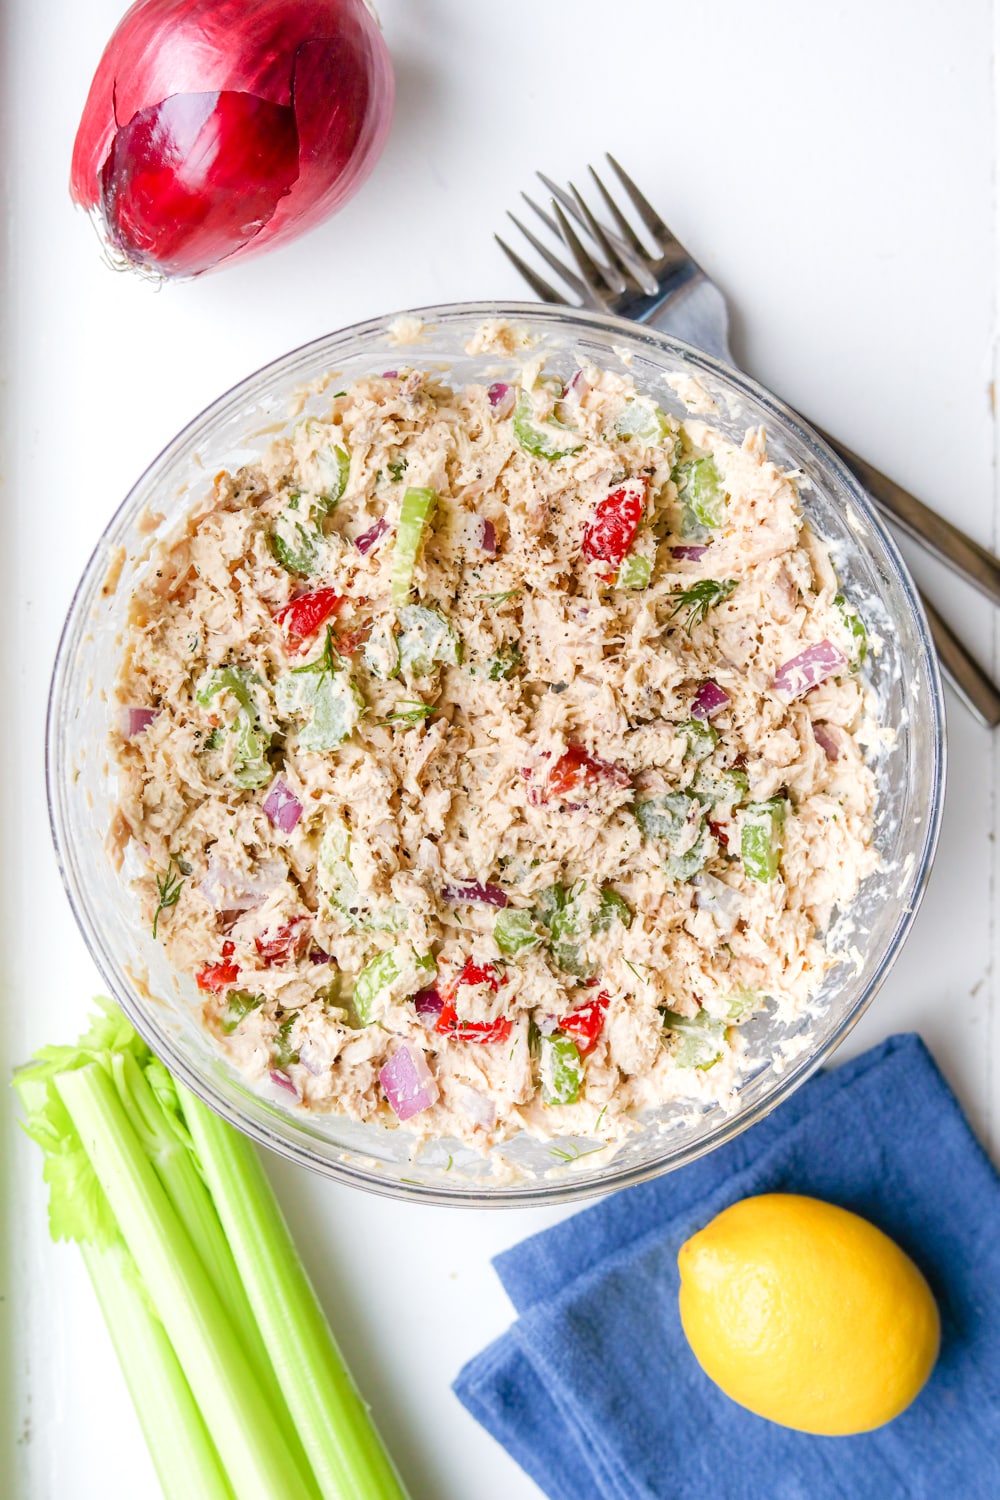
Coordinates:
413 517
855 627
683 866
535 439
381 652
338 882
560 1069
635 572
727 789
250 765
648 423
293 546
239 1004
762 838
569 933
426 638
742 1002
334 465
700 486
391 975
699 1039
504 663
664 817
514 931
701 739
612 910
328 701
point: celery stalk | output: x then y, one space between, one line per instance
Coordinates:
183 1455
256 1456
337 1432
156 1119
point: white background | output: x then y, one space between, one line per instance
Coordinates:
833 167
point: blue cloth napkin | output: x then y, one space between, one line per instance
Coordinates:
595 1392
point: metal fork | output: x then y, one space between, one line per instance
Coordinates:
670 291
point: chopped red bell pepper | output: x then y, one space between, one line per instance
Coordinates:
448 1023
282 945
218 977
718 832
586 1023
302 617
575 768
608 537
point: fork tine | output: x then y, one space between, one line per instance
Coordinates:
635 271
643 207
619 273
552 261
561 195
538 286
624 227
588 268
546 218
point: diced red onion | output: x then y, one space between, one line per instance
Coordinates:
709 699
390 374
826 741
689 554
317 956
428 1003
723 902
135 720
487 535
502 399
282 807
227 891
312 1059
367 540
480 1110
811 667
409 1084
282 1081
474 894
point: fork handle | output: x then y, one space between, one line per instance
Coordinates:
977 692
979 566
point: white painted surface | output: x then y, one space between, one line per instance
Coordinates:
834 168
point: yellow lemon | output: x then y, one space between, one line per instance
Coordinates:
807 1314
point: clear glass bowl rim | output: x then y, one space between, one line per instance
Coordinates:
566 1189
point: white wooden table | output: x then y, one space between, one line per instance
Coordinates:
833 166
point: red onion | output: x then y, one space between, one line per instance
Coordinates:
408 1082
480 1110
812 666
487 535
474 894
135 720
689 554
283 1081
215 129
282 807
709 699
428 1003
502 399
826 741
390 374
367 540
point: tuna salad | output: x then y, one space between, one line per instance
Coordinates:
487 756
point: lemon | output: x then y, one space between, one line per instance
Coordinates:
807 1314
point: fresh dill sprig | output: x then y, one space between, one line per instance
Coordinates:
700 598
573 1152
636 969
600 1117
329 659
501 597
168 889
408 711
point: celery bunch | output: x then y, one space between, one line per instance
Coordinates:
237 1381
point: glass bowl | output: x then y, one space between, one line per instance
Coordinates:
908 765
